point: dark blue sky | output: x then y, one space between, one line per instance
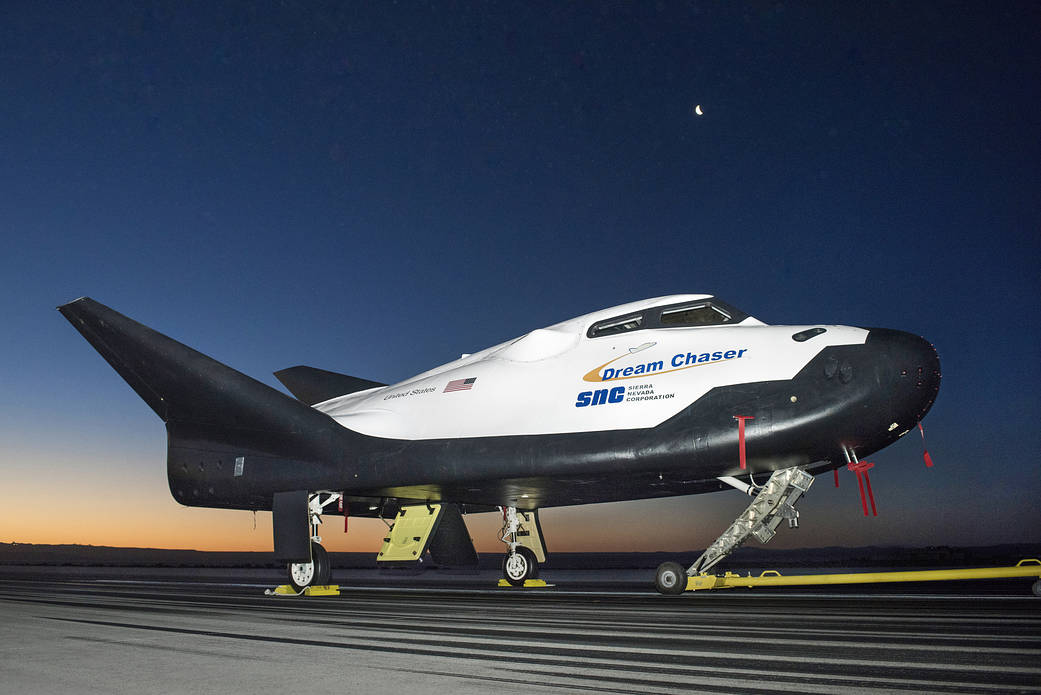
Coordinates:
376 189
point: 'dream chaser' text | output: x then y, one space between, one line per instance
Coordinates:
679 361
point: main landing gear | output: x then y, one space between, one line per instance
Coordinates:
773 503
522 535
417 528
317 571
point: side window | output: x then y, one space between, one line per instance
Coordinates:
703 314
616 325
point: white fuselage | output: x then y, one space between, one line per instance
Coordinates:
558 380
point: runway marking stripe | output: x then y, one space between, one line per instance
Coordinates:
586 628
589 627
680 629
569 650
556 636
799 680
587 652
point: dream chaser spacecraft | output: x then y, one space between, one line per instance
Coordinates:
676 395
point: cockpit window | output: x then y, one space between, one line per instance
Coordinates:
701 314
616 325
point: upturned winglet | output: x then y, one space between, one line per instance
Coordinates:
183 385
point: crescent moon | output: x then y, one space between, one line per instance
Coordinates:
698 111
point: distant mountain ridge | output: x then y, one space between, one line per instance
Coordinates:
865 556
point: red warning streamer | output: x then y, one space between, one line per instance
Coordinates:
861 468
741 436
925 452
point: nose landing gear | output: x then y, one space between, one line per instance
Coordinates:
522 535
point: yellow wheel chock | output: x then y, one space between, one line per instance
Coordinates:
286 590
528 584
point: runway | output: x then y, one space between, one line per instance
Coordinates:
216 632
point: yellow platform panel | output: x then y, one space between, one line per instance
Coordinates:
410 534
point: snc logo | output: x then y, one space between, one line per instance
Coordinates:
600 397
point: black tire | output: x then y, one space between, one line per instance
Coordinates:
521 567
533 563
313 573
323 568
670 579
1036 588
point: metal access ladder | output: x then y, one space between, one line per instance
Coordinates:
774 503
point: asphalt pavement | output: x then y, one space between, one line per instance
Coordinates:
200 631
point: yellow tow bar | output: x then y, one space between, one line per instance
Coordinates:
1024 568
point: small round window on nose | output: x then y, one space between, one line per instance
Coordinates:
845 372
803 336
831 366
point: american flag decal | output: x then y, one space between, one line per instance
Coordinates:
460 385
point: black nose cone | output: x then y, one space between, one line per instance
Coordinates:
907 370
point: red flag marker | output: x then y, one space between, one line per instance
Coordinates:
861 468
925 452
741 436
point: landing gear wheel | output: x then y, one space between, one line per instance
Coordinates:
520 566
313 573
323 568
670 578
1036 588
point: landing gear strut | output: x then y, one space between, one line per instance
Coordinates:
525 549
318 571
